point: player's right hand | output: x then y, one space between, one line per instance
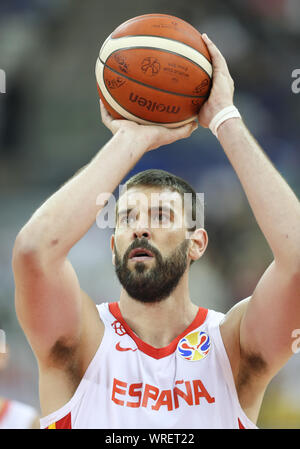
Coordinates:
153 136
222 91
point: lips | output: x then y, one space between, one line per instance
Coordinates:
140 253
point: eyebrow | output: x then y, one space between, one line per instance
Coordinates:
160 208
124 212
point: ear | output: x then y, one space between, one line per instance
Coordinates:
112 245
199 242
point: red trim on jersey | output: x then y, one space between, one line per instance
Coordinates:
240 424
4 409
157 353
63 423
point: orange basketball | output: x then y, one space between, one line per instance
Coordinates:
154 69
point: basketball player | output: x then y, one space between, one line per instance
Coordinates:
154 359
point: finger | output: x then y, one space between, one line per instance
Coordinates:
192 126
186 130
218 59
213 49
105 115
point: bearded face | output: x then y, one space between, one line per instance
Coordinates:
146 275
151 249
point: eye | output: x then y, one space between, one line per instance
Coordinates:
161 217
127 219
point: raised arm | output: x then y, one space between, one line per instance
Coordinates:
267 320
50 305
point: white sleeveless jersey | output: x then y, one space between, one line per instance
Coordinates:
129 384
16 415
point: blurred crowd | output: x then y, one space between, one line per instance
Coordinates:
50 127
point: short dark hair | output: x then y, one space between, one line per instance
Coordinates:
164 179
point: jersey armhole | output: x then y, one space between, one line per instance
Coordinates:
243 420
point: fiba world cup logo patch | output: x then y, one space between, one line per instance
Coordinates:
194 346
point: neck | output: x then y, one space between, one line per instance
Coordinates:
160 323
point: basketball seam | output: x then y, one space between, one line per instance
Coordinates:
141 120
164 37
158 48
150 86
137 116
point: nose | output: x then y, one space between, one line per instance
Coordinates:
141 232
140 226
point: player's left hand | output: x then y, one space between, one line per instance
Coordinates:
152 136
221 94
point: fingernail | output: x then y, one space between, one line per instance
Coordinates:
206 37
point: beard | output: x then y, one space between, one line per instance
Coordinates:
151 284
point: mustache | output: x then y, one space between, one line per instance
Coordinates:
141 243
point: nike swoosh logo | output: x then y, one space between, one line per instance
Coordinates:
119 348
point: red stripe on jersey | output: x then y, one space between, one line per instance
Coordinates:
157 353
63 423
240 424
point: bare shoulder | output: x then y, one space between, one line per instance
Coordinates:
63 370
249 369
91 334
230 332
92 331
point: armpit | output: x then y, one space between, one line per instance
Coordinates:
65 357
252 368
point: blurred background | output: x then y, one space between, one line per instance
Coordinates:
50 127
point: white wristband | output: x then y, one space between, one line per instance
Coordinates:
220 117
